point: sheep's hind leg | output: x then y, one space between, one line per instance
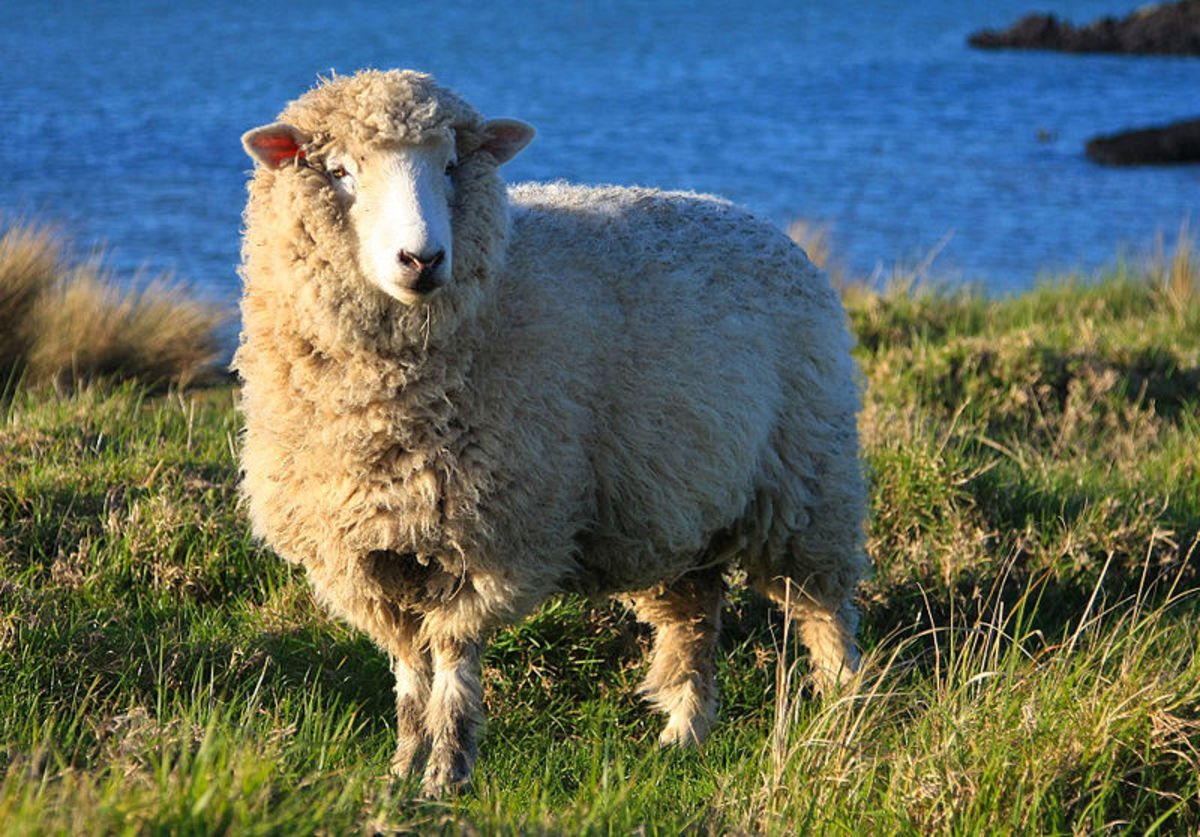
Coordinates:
681 682
826 628
453 715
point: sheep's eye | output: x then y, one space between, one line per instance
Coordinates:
338 173
450 167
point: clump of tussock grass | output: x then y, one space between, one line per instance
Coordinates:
30 262
90 325
71 321
1177 276
908 304
816 240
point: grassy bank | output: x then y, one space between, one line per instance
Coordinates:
1031 627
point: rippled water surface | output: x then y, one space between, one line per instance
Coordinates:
122 120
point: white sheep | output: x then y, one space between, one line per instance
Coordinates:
461 400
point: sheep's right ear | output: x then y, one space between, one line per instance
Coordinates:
275 144
503 138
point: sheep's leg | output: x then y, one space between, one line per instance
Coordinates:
397 631
682 681
826 628
453 715
413 676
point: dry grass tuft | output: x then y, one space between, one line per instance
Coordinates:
1177 277
29 263
76 322
92 326
816 240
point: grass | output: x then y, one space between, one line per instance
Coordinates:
70 320
1030 629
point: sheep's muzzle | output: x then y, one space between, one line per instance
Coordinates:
422 273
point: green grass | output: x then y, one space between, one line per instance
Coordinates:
1031 625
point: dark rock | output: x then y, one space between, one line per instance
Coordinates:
1175 143
1167 29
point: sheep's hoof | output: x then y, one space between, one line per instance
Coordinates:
447 778
685 732
410 754
826 682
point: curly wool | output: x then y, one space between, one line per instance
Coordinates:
373 426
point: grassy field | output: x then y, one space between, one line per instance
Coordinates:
1030 628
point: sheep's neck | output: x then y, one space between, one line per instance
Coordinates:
411 399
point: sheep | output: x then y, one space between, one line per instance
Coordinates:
461 399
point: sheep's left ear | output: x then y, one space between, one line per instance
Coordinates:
503 138
275 144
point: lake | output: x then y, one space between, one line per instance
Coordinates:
122 119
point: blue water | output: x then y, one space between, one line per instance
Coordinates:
121 120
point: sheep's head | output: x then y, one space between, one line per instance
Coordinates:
401 156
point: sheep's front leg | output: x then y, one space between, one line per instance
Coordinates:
413 676
453 715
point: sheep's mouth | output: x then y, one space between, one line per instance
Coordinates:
412 296
426 283
415 290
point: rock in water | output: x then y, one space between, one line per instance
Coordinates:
1166 29
1178 142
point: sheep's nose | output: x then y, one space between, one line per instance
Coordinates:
422 262
423 268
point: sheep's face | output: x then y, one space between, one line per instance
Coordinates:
398 198
398 201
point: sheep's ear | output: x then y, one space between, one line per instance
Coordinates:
275 144
503 138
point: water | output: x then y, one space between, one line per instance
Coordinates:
122 119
